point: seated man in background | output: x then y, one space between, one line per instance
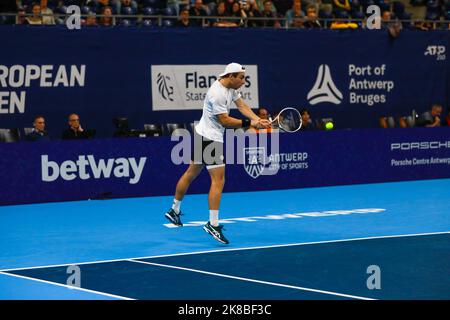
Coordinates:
221 12
430 118
184 21
393 26
307 123
47 13
268 13
295 15
38 133
91 19
75 131
311 20
107 19
197 10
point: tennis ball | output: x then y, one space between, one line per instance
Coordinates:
329 125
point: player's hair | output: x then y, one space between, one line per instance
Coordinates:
37 117
234 74
303 111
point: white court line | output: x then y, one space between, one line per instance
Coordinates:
253 280
67 286
234 249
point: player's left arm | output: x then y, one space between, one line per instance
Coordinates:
248 112
245 109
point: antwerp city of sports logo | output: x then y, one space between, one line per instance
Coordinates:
254 161
324 89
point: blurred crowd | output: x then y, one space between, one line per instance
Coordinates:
333 14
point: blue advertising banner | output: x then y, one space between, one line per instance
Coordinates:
132 167
161 75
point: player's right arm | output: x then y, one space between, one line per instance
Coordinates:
221 112
230 122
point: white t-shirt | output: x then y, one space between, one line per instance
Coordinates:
217 101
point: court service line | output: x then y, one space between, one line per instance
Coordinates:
252 280
232 249
66 286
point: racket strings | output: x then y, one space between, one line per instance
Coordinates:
289 120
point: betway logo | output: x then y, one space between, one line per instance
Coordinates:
324 89
87 167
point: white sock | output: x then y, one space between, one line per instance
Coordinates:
176 205
214 217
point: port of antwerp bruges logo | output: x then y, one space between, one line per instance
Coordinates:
165 90
324 89
254 161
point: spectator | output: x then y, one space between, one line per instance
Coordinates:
268 13
107 18
252 11
295 15
75 131
387 122
47 13
393 26
35 18
184 21
21 18
237 12
197 11
221 12
229 6
307 123
260 4
325 5
38 133
385 19
311 21
430 118
91 20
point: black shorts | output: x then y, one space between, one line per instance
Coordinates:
207 152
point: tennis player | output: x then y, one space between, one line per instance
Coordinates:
209 152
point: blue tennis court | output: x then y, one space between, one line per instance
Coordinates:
315 243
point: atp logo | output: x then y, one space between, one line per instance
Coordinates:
435 51
324 89
254 161
164 89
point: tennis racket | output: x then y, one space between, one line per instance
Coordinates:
288 120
